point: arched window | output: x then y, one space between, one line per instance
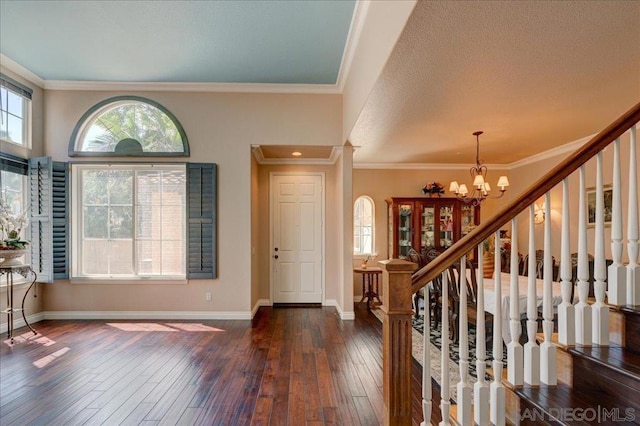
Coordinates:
363 225
128 126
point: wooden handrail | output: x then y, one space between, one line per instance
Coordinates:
430 271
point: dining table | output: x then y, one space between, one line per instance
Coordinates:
505 304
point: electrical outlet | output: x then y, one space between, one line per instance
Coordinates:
207 296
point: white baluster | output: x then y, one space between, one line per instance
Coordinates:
583 310
548 371
515 355
531 348
426 362
497 390
481 388
633 269
444 359
566 311
617 278
599 311
464 387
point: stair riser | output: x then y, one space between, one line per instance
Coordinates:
632 333
590 377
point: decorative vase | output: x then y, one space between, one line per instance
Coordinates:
11 257
364 265
488 265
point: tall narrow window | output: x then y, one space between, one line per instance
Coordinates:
15 105
363 225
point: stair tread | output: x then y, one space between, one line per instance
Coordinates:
614 357
555 401
630 309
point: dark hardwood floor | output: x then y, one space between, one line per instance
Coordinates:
288 366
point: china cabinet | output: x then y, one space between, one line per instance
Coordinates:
423 223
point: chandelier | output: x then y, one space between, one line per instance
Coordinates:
481 187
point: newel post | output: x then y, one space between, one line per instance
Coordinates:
396 340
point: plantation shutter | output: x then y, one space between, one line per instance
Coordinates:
202 220
48 194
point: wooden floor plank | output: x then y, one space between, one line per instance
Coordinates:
287 366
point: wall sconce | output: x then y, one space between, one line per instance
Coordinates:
538 217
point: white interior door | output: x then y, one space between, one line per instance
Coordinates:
297 239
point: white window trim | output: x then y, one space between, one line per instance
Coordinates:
27 122
76 246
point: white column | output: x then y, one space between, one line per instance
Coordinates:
633 269
497 390
426 362
515 355
599 311
481 388
583 310
463 407
531 348
548 371
445 405
566 311
617 277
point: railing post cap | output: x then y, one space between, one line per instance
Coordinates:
397 265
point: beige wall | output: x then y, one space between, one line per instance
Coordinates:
221 127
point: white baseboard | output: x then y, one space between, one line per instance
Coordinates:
19 322
145 315
344 315
259 303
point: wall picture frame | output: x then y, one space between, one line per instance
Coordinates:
591 206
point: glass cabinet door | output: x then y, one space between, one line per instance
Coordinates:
446 225
428 227
468 219
405 228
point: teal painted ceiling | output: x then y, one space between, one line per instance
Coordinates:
281 42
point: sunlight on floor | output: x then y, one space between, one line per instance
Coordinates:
29 337
150 326
42 362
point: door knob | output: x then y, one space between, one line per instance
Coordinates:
276 256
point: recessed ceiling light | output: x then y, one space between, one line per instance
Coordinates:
296 154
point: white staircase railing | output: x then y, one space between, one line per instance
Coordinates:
585 322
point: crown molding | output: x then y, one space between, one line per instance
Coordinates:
423 166
191 87
553 152
15 67
355 31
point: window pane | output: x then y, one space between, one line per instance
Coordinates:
15 104
93 187
121 222
120 260
14 128
96 222
120 187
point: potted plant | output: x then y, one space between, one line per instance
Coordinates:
11 246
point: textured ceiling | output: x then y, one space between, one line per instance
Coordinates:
532 75
282 42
